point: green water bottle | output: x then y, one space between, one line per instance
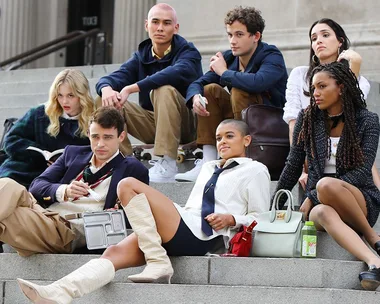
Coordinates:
309 240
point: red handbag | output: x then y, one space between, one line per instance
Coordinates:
241 243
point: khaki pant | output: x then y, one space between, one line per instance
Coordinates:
28 227
170 124
221 106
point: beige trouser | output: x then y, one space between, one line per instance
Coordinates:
221 106
170 124
28 227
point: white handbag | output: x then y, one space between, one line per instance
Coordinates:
278 232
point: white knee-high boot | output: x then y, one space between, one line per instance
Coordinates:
87 278
159 267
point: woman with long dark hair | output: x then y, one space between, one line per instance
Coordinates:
338 137
328 43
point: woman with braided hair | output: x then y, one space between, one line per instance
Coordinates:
339 138
328 43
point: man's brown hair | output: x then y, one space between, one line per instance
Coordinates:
249 16
107 118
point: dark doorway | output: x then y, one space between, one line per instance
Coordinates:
86 15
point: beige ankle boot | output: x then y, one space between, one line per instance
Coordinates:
159 267
87 278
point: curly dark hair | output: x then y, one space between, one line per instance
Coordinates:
353 100
249 16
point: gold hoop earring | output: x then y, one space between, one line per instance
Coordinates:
315 59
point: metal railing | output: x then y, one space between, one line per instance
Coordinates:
52 46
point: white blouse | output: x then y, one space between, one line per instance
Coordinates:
330 164
296 99
243 191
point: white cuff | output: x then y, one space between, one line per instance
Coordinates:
60 194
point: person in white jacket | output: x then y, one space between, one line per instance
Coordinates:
328 43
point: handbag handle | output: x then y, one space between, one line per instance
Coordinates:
276 200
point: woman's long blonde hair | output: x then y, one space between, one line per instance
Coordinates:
80 86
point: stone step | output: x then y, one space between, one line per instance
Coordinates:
115 293
278 272
35 87
48 74
22 100
327 248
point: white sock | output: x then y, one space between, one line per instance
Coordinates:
171 161
209 153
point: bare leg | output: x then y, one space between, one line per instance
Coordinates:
165 213
154 220
326 218
342 207
125 254
349 203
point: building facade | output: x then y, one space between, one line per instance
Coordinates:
25 24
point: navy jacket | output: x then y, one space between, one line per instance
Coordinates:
24 165
70 164
265 72
179 69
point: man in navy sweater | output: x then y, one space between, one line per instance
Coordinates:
253 72
161 71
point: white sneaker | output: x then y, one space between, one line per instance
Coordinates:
162 172
192 175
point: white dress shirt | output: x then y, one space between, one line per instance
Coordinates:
243 191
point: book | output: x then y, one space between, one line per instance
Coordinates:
49 156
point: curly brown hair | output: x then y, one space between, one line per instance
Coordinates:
249 16
353 100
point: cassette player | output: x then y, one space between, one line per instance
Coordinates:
104 228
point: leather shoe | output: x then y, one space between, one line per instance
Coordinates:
376 246
370 279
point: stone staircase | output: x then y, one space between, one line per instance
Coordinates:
331 278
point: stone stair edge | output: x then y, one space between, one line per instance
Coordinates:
282 272
159 293
327 248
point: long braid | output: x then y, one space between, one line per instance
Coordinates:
353 100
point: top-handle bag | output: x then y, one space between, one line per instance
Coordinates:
278 233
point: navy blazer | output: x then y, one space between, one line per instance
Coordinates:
70 164
367 129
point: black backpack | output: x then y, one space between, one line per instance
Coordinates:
8 124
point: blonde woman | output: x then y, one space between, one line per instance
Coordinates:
61 121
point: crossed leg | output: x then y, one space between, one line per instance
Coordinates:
127 253
342 213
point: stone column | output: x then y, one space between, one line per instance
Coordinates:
129 28
17 27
